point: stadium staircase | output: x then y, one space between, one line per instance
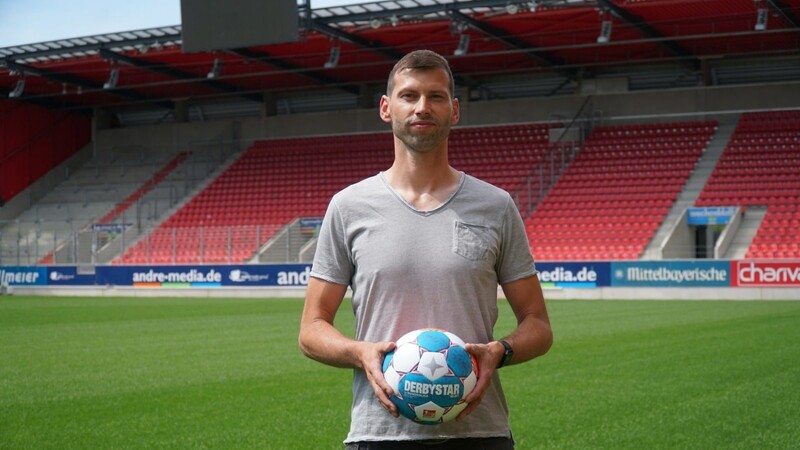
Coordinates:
615 194
691 191
52 228
146 187
119 209
761 168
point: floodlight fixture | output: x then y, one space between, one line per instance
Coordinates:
215 69
333 58
18 89
463 45
113 78
605 28
762 15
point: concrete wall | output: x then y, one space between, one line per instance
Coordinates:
171 137
677 104
607 293
681 242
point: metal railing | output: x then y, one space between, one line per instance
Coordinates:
218 245
125 243
59 228
560 152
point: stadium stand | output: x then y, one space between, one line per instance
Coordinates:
272 183
120 208
277 181
761 167
607 204
612 198
120 185
690 63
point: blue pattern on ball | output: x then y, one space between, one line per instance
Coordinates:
387 360
433 340
460 361
403 408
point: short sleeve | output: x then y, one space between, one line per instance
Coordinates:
332 259
516 261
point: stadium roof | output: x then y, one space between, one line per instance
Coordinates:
512 48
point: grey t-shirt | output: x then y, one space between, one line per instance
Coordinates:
411 269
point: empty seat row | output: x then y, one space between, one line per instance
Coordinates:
610 207
276 181
761 166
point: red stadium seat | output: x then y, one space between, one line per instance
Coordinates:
615 193
760 167
277 181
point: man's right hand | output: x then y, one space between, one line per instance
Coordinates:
371 355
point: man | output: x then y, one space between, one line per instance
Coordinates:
423 245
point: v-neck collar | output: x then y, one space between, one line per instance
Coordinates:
418 211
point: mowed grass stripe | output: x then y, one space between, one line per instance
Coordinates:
226 373
164 373
662 375
144 347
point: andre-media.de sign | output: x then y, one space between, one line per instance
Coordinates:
574 274
204 276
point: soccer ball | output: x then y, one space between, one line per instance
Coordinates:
430 373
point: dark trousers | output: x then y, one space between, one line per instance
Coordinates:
494 443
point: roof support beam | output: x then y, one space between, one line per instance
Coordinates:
436 8
648 31
513 42
375 46
47 103
785 12
55 76
81 82
321 78
176 73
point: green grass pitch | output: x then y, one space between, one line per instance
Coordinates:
169 373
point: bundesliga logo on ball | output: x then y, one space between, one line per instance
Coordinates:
430 373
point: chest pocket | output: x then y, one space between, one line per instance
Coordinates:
470 241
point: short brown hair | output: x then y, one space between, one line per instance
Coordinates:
421 60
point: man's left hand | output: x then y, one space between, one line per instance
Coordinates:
488 357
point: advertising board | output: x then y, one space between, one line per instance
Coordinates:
765 273
587 274
23 276
670 273
574 274
714 215
68 276
204 276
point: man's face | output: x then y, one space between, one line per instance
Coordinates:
420 108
